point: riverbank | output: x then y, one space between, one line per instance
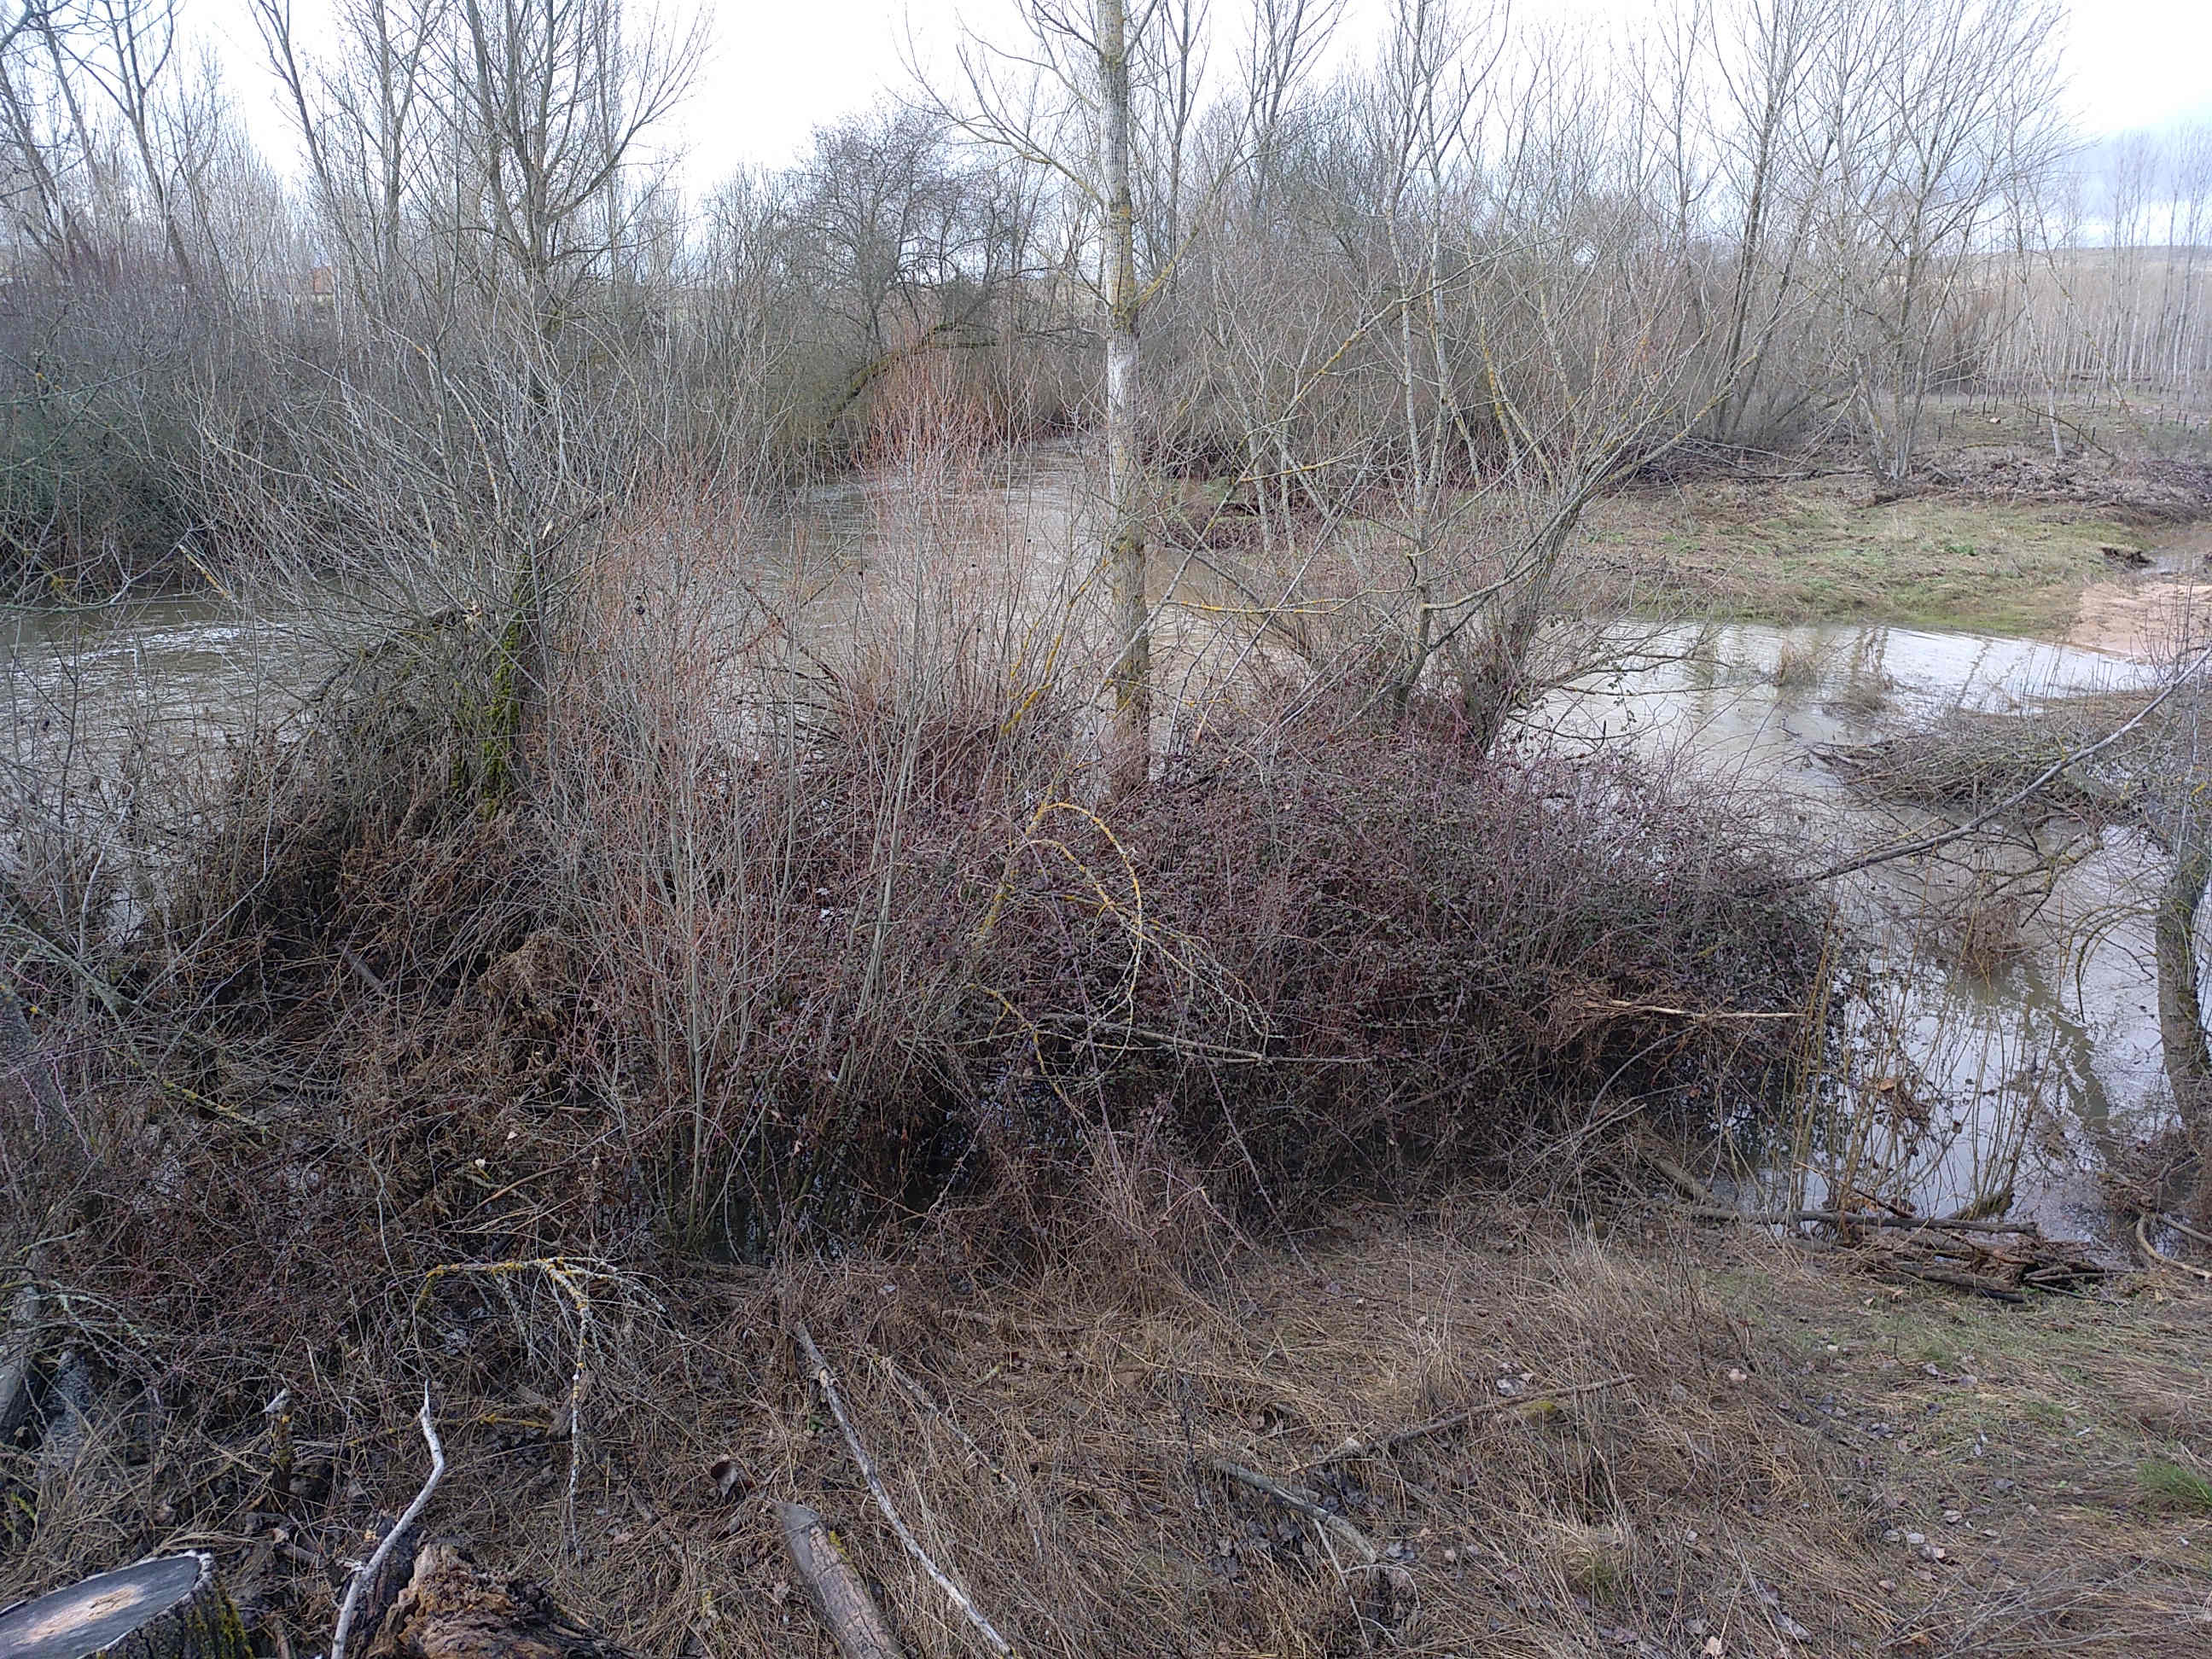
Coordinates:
1796 1458
1764 1451
1066 1122
1835 549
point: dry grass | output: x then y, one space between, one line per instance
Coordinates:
1046 1435
1798 667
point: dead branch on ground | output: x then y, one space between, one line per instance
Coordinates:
834 1585
368 1569
826 1380
1355 1447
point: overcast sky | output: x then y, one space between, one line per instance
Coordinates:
779 68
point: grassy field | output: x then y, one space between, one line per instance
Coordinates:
1822 551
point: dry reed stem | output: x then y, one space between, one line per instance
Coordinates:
1355 1447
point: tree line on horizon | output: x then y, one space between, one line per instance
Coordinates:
1477 249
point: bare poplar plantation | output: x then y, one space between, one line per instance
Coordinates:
1280 826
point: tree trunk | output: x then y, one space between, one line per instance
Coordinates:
2180 1009
1131 678
174 1607
1494 679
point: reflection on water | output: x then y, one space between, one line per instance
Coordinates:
1981 1075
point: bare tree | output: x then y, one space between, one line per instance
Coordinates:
362 120
1932 112
1776 161
1088 134
130 47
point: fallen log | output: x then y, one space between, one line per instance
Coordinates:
172 1607
19 1352
453 1608
833 1585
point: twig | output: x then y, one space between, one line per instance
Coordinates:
2184 1228
1355 1446
826 1380
368 1570
1615 1005
2161 1258
1304 1503
1944 838
927 1402
1003 1321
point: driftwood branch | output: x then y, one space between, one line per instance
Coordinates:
1691 1188
1957 1278
826 1380
2160 1258
834 1585
369 1569
2184 1228
1862 1218
1943 838
1355 1446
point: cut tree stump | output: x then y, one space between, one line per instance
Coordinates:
453 1608
172 1607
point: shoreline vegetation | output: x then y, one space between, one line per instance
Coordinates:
1102 1073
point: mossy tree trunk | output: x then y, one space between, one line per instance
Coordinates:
2180 994
489 764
